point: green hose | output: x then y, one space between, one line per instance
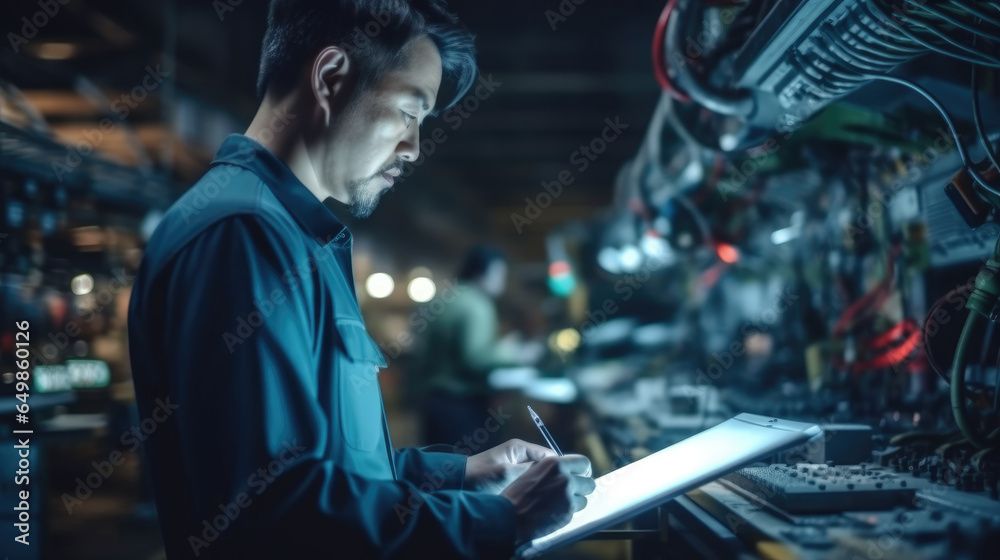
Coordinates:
982 305
958 382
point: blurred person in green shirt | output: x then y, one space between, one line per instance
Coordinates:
460 348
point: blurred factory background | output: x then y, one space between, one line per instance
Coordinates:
780 208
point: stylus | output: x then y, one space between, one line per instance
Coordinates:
545 432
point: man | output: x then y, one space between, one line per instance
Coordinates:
461 348
248 347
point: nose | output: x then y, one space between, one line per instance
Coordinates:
408 148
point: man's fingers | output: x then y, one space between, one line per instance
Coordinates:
582 485
578 503
517 469
575 464
558 522
525 451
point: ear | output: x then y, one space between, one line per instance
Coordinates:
329 80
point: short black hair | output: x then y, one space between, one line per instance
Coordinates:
374 32
477 260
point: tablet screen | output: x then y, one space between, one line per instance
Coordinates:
649 482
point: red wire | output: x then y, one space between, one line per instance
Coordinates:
660 68
907 328
886 338
871 301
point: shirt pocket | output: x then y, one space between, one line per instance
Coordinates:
360 402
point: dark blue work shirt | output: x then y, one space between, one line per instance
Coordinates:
244 323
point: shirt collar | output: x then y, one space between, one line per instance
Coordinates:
300 202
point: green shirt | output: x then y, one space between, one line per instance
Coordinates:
460 342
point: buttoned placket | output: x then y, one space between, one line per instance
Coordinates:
343 242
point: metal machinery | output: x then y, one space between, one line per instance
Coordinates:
809 230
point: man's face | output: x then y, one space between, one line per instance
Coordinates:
366 145
495 278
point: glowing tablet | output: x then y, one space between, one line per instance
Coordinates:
666 474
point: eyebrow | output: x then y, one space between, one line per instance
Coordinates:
422 96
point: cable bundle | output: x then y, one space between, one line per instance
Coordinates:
878 35
948 27
842 70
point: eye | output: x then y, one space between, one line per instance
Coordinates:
407 118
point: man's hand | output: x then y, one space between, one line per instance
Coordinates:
494 469
548 494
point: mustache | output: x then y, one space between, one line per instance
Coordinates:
398 164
